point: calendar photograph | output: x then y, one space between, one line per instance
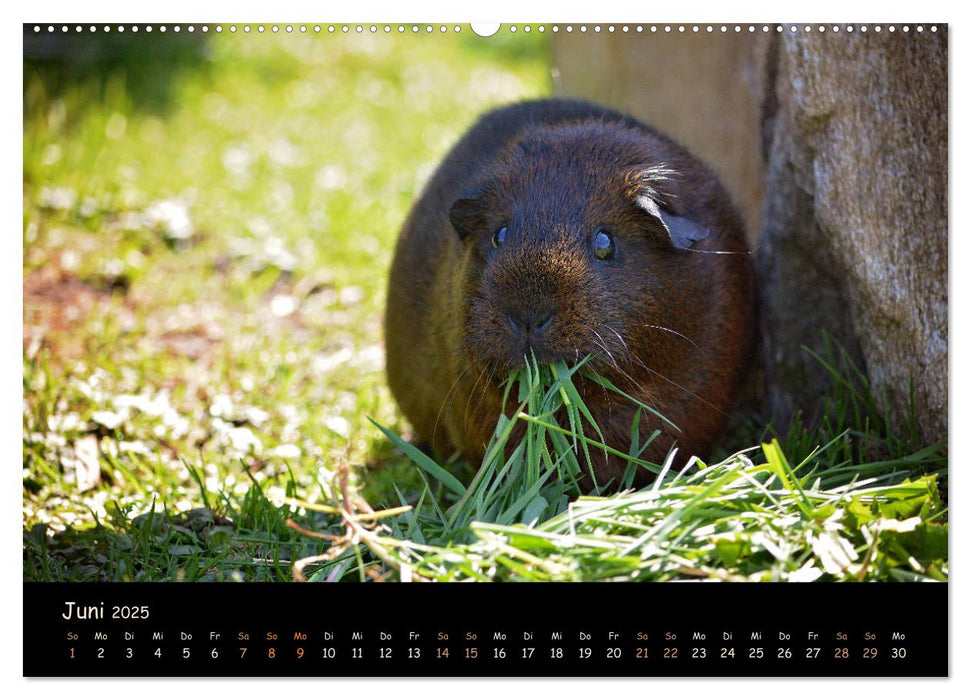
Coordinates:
320 309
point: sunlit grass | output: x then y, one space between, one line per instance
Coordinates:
205 281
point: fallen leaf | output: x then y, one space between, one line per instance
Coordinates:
87 468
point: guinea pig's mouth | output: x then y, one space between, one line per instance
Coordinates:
502 366
505 340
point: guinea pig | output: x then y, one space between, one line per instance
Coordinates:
561 229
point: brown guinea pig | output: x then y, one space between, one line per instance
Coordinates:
562 228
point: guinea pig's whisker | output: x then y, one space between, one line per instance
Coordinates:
603 346
613 362
635 358
616 363
685 390
632 359
634 382
620 338
608 359
493 368
468 400
717 252
680 335
447 401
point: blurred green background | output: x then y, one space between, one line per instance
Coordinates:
208 224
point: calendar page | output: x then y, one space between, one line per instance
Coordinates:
492 350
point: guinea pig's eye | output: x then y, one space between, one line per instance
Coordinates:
603 245
499 238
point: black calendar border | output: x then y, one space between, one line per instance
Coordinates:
184 616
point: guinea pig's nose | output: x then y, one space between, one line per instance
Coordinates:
533 321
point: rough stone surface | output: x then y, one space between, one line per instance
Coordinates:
834 146
854 236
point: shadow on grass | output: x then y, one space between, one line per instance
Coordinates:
195 546
149 64
389 479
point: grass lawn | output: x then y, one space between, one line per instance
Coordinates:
207 232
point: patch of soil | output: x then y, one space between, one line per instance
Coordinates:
194 343
57 304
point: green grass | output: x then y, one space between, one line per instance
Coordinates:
204 271
533 477
246 348
754 516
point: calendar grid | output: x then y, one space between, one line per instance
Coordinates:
502 630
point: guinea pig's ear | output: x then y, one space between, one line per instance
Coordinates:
646 185
683 233
468 214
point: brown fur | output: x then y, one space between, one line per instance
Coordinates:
669 325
